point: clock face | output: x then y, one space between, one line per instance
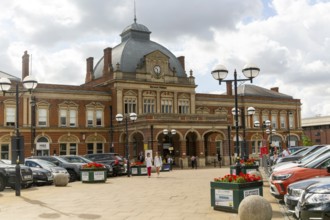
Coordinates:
157 69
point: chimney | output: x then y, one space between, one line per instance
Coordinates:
89 69
181 60
107 58
229 88
275 89
25 64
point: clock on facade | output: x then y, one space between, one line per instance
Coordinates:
157 70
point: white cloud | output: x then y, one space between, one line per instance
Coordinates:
287 39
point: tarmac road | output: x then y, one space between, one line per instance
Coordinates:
179 194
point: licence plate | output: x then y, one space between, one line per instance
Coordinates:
27 177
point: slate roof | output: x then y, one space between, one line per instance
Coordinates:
253 90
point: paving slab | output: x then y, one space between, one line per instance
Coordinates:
178 194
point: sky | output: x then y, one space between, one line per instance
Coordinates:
289 40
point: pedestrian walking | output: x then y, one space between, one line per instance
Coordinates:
148 164
285 152
141 157
193 162
219 159
158 163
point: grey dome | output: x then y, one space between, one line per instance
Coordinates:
135 44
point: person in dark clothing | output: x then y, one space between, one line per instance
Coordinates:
219 159
141 157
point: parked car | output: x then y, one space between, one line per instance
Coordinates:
299 154
303 161
296 189
72 168
49 166
113 159
81 159
295 148
281 179
8 176
314 202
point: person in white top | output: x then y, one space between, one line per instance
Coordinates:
158 163
148 161
285 152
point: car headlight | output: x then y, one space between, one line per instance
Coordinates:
317 198
282 176
296 192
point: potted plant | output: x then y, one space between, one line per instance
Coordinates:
228 191
93 173
138 169
244 166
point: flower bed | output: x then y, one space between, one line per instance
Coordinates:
228 191
93 173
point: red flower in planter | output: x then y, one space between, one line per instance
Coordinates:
241 178
92 165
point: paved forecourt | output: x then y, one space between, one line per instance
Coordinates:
179 194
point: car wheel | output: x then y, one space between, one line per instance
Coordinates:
2 183
73 175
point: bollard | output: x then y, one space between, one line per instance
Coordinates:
255 207
181 163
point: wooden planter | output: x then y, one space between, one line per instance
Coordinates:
93 175
228 196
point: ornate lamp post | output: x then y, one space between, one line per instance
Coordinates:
29 83
119 117
173 132
250 111
220 73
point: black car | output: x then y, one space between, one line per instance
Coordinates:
113 159
314 202
296 189
72 168
42 176
8 176
81 159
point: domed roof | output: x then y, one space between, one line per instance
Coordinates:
135 44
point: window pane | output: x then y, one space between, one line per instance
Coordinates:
90 118
90 148
73 149
99 148
10 116
42 119
73 114
62 149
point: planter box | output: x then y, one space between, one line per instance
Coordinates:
244 169
228 196
166 167
139 170
93 175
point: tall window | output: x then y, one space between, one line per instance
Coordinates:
42 117
68 149
148 105
130 105
167 105
68 117
95 115
93 148
274 121
10 116
291 120
283 121
183 106
4 151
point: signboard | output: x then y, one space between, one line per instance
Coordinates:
42 146
224 197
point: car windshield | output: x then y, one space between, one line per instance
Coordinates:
322 162
45 163
300 151
310 157
76 159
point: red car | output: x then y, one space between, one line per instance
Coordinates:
281 179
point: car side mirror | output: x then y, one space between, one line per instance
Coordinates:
38 166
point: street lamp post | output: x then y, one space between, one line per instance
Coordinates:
270 132
251 111
29 83
173 132
220 73
119 117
